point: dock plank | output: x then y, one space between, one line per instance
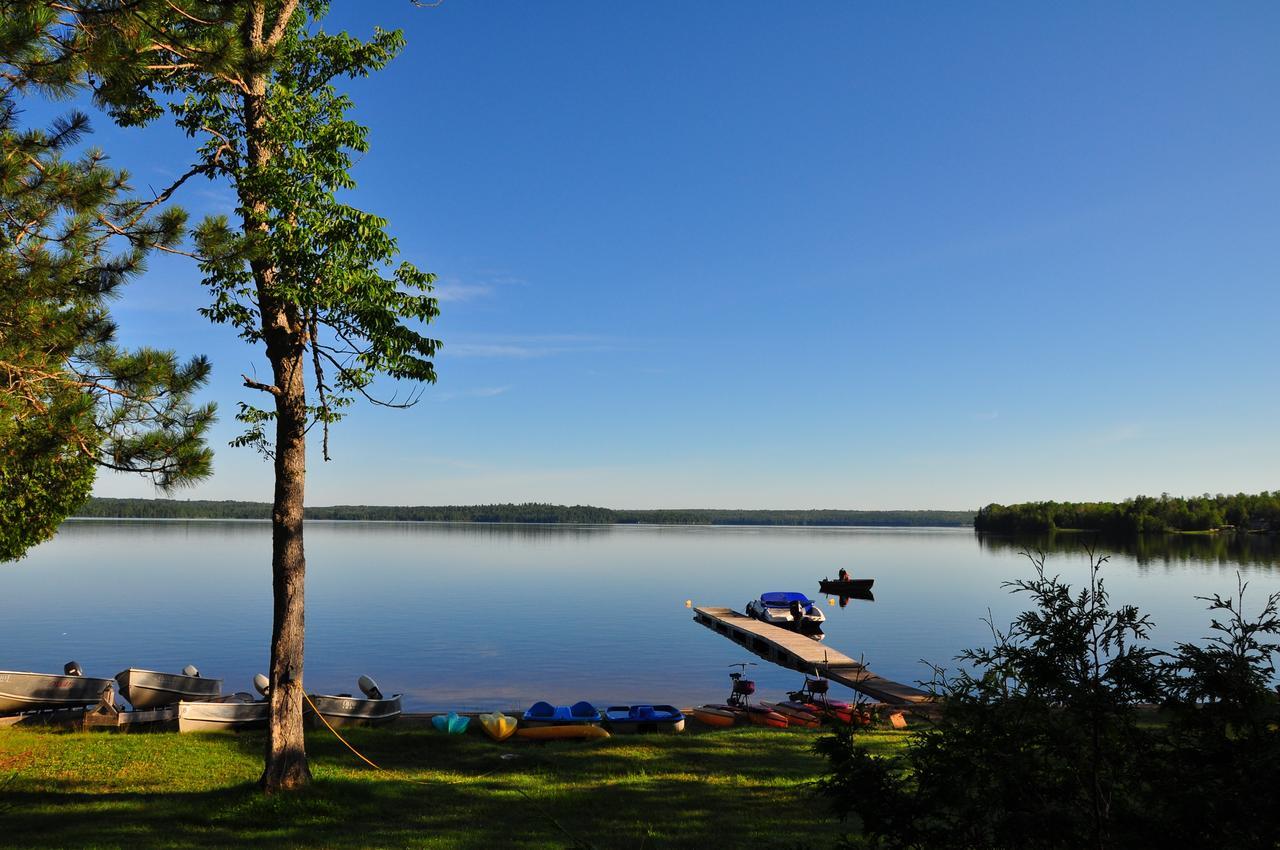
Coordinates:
798 652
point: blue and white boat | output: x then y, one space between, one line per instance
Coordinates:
644 718
790 610
546 714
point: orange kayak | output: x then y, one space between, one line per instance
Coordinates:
576 731
795 716
762 716
714 715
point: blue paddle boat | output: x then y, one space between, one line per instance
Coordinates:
644 718
546 714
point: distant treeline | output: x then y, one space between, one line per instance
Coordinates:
527 512
1139 515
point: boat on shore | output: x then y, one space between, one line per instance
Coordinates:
545 714
238 712
21 691
346 710
497 725
562 732
146 689
719 716
644 718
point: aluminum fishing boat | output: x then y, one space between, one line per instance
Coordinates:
346 710
20 691
150 689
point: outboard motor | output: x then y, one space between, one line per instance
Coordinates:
369 687
191 670
71 668
261 684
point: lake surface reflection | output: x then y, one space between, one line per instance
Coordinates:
471 616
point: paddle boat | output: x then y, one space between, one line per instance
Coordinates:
21 692
796 714
644 718
738 705
347 710
146 689
546 714
237 712
788 610
498 726
451 723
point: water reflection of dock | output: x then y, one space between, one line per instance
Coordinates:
798 652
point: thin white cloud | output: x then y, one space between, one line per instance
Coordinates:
528 347
474 392
455 291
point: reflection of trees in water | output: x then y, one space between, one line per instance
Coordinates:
1227 550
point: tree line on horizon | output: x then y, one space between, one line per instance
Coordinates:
527 512
1138 515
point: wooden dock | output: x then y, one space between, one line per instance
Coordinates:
789 649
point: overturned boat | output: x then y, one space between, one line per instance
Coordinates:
152 689
21 692
233 713
347 710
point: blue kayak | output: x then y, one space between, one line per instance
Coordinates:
546 714
451 723
644 718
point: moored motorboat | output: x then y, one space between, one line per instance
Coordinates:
546 714
151 689
237 712
346 710
789 610
22 691
232 713
644 718
497 725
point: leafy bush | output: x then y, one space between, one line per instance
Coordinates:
1049 739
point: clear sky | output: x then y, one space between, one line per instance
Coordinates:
844 255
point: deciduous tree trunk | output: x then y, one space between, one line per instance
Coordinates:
286 758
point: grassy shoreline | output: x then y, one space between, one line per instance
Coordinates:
164 790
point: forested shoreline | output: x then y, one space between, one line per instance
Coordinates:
102 508
1138 515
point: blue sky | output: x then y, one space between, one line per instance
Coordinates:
742 254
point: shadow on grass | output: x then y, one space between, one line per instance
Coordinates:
701 791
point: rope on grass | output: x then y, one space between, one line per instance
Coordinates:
577 842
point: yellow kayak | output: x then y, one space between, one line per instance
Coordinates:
562 733
497 726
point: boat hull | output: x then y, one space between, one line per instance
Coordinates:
20 691
353 711
715 715
499 727
145 689
232 714
545 714
451 723
631 720
761 716
576 731
851 587
796 713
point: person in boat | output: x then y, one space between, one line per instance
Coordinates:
844 574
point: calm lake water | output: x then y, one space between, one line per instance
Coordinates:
469 616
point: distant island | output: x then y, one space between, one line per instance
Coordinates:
1242 512
102 508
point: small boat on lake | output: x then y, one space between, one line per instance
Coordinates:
545 714
20 691
855 588
644 718
150 689
346 710
237 712
790 610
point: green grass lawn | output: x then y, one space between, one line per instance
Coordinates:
731 788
